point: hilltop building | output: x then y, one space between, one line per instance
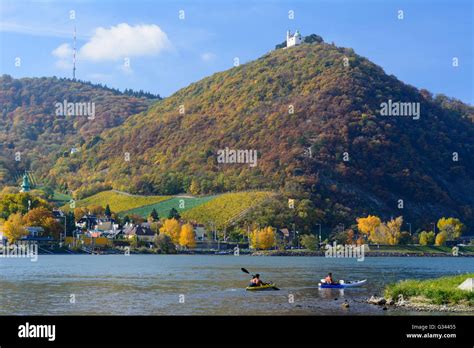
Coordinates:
293 40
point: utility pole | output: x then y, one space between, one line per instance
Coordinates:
294 234
65 226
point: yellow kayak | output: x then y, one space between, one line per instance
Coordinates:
270 286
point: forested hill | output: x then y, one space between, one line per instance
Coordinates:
314 96
32 134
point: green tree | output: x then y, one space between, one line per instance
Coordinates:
107 212
309 241
405 238
164 244
313 38
431 237
20 203
70 222
173 214
154 215
133 241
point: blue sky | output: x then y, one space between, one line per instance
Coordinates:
167 53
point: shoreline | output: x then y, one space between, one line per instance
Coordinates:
368 254
257 254
428 307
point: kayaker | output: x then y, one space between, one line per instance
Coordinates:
329 279
255 281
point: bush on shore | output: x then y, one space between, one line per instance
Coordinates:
437 291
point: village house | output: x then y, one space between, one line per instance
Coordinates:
58 215
98 227
285 235
143 232
88 222
200 232
36 233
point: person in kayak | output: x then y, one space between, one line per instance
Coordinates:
329 279
255 281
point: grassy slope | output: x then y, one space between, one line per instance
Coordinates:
61 198
164 207
119 202
225 207
419 249
437 291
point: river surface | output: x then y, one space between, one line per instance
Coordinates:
203 284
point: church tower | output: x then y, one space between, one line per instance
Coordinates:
25 186
293 40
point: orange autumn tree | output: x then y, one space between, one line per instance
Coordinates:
394 230
171 228
13 228
187 237
368 225
43 217
452 226
441 238
264 238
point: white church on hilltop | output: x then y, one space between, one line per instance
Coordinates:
293 40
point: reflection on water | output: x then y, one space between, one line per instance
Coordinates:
209 285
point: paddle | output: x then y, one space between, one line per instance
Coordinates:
245 271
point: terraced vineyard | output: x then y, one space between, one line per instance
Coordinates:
163 208
218 208
119 201
225 207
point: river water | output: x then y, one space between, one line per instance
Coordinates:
203 284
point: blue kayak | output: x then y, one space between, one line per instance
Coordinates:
342 284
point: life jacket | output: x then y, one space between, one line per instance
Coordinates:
328 279
254 281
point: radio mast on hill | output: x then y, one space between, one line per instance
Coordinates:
74 56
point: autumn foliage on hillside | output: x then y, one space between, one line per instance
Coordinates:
312 113
30 126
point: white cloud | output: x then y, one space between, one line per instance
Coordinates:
64 54
63 51
208 56
124 41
